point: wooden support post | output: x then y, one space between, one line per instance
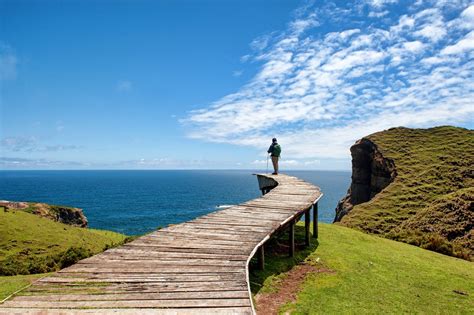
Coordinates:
261 258
291 238
315 220
307 221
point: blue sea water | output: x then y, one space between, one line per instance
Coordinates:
136 202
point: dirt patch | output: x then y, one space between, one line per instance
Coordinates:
287 288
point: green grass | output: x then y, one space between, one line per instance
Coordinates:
31 244
11 284
431 165
373 275
278 261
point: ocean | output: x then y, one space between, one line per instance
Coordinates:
139 201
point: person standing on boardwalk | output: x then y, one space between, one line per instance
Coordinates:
275 151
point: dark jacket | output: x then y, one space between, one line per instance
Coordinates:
274 149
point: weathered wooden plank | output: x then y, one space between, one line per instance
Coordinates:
132 303
157 253
269 208
202 243
112 277
188 249
258 215
212 235
131 311
238 222
160 266
143 286
221 217
133 261
193 237
282 203
138 296
221 232
237 230
162 269
273 205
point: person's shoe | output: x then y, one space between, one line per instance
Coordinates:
274 173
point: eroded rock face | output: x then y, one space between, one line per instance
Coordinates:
13 204
371 173
66 215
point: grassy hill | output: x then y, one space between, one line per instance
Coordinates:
31 244
358 273
430 202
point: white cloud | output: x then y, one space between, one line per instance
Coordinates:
467 17
59 126
261 42
300 25
124 86
375 14
312 163
22 163
405 23
319 92
237 73
8 63
32 144
165 163
432 32
280 162
381 3
414 46
245 58
464 45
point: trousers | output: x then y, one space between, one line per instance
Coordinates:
275 163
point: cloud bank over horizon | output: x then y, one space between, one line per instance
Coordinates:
338 73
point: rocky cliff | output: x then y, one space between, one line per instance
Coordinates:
371 172
414 186
66 215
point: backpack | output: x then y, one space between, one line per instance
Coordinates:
276 150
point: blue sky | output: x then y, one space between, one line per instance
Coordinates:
207 84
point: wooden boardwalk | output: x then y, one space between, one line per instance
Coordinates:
197 267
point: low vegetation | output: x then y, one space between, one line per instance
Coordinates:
358 273
430 202
30 244
11 284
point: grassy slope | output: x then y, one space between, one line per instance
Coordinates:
376 276
11 284
431 164
26 240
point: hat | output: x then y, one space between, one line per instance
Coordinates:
274 140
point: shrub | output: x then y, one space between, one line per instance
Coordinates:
437 243
21 265
73 255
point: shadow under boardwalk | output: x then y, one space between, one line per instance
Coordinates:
200 266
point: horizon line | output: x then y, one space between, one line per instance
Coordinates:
177 169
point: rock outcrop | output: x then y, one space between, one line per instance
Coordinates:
414 186
67 215
371 173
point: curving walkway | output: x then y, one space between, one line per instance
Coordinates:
197 267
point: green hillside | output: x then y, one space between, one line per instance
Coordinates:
358 273
31 244
430 202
